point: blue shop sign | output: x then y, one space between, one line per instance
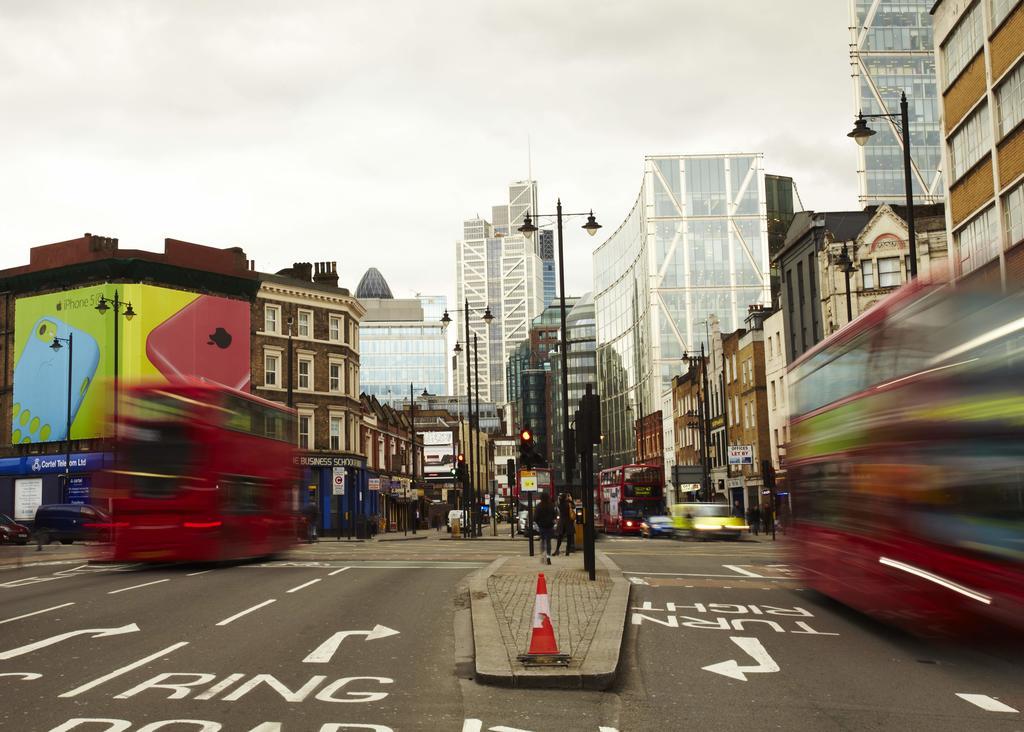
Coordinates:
78 489
46 464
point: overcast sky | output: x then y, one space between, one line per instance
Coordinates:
365 132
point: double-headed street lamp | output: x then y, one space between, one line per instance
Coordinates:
861 132
529 229
56 346
472 453
116 304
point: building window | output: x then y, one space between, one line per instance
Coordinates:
971 142
305 431
305 324
271 318
335 377
977 242
962 45
335 328
1010 96
1000 9
305 373
336 427
1013 206
775 402
867 271
271 369
889 272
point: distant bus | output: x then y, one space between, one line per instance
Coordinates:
627 494
203 473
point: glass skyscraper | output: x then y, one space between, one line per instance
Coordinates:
892 51
582 368
401 342
694 245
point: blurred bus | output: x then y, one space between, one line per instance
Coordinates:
627 495
204 473
906 460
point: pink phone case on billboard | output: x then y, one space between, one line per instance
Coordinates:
207 339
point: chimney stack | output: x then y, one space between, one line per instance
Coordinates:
303 271
326 273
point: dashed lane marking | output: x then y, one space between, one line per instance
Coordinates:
739 570
254 608
988 703
196 574
135 587
338 571
303 585
37 612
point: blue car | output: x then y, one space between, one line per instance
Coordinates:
654 526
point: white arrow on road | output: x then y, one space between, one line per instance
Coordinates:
752 646
94 632
326 650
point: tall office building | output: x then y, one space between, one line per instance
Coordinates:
892 51
694 245
402 342
546 250
582 368
499 268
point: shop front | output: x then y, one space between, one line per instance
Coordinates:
35 480
339 487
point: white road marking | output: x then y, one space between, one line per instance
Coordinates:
638 581
135 587
338 571
685 574
752 646
236 616
987 703
196 574
37 612
304 584
94 632
121 671
326 650
740 570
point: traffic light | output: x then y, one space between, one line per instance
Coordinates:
526 454
459 469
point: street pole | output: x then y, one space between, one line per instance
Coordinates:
529 519
704 423
911 234
412 433
67 455
469 415
478 529
849 299
567 451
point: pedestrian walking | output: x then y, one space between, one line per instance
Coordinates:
566 524
766 519
312 514
754 519
544 517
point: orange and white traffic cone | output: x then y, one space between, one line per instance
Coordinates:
543 645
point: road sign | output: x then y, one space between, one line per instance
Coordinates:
338 482
741 455
527 481
373 484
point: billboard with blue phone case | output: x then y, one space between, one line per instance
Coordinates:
173 335
40 411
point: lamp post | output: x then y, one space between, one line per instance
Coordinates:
487 317
847 267
694 361
528 229
116 304
56 346
861 132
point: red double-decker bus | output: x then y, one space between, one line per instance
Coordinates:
627 495
204 473
906 461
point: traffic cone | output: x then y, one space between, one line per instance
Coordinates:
543 646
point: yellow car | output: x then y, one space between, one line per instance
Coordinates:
706 521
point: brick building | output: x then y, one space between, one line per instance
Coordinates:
303 318
386 439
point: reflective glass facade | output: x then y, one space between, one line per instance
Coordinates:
582 368
892 51
695 244
395 353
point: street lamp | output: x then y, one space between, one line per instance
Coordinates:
116 304
694 361
861 133
528 229
473 453
56 346
847 267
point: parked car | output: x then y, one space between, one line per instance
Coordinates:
11 532
67 523
654 526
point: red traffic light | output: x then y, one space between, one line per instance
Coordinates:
525 435
462 458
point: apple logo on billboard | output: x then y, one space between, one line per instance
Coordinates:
220 338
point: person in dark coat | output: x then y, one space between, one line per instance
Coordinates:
312 514
544 517
754 519
566 524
